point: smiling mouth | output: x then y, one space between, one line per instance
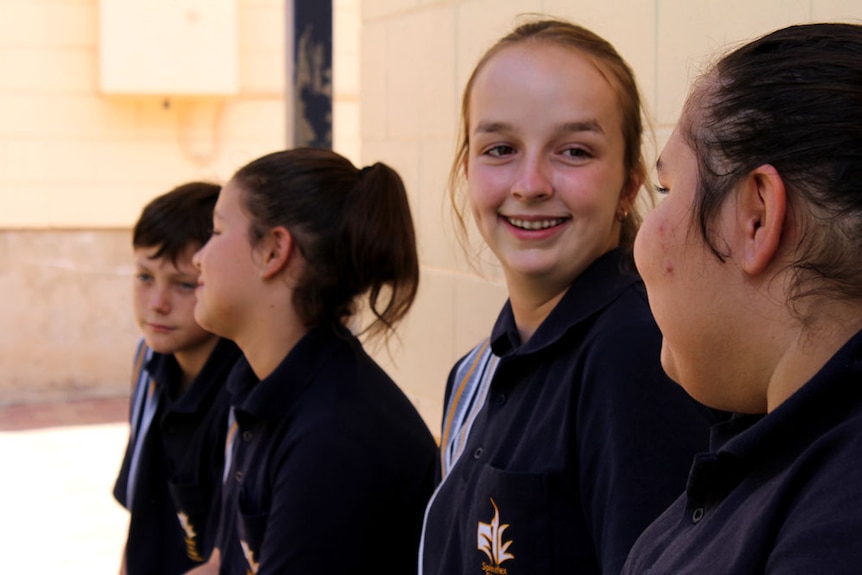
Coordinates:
534 224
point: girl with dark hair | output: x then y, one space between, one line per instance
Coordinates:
329 466
752 268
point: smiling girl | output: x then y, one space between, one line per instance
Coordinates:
562 438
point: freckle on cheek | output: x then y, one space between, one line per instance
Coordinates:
662 233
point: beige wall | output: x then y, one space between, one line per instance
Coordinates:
76 166
71 156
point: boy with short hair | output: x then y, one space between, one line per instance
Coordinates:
170 479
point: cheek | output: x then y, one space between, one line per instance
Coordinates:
665 236
139 300
487 185
654 250
201 311
479 203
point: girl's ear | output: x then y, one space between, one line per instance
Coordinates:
276 251
761 209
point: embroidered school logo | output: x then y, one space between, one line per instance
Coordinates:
489 539
191 541
249 557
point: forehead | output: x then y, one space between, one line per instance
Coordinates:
230 201
549 79
677 156
145 258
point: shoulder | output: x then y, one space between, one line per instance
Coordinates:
824 519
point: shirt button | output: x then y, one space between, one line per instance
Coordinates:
238 476
500 399
478 453
697 515
247 435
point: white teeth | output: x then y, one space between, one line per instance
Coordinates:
534 224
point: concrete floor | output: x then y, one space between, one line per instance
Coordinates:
57 514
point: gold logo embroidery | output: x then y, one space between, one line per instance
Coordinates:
489 539
191 542
249 557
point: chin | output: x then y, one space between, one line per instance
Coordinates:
201 318
667 362
159 345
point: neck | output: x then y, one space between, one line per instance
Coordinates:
270 339
811 348
531 304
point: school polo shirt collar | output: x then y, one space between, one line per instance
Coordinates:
268 398
747 442
165 370
597 287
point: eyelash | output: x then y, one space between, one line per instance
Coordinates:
499 151
577 153
661 191
502 150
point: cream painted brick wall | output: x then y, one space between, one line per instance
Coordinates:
72 157
423 96
372 9
346 25
480 24
836 10
416 56
691 34
373 84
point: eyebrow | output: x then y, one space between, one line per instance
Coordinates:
566 128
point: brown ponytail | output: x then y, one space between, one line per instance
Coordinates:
353 227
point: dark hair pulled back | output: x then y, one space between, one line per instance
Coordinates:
353 228
791 99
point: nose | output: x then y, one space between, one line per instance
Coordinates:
160 300
533 180
196 257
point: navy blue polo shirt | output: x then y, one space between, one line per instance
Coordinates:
578 443
330 466
777 494
175 507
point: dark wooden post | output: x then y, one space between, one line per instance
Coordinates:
312 72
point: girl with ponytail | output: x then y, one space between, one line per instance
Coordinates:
324 451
